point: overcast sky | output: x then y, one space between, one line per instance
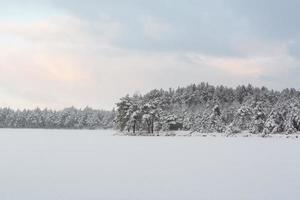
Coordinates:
58 53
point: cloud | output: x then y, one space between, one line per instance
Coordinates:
236 66
62 30
80 53
55 69
294 48
274 19
50 69
155 28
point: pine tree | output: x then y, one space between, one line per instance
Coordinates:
242 120
209 121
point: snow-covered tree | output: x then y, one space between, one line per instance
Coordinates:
209 121
258 118
68 118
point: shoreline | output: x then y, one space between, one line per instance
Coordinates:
197 134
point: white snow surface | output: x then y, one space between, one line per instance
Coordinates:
96 165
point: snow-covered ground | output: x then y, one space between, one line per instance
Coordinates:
93 165
197 134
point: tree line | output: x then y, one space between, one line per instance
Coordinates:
205 108
68 118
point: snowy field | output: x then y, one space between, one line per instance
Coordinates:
95 165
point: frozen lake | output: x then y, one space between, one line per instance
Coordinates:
94 165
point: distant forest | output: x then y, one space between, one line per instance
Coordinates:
205 108
68 118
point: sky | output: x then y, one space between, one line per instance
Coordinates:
61 53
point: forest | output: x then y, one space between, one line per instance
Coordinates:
68 118
205 108
202 108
